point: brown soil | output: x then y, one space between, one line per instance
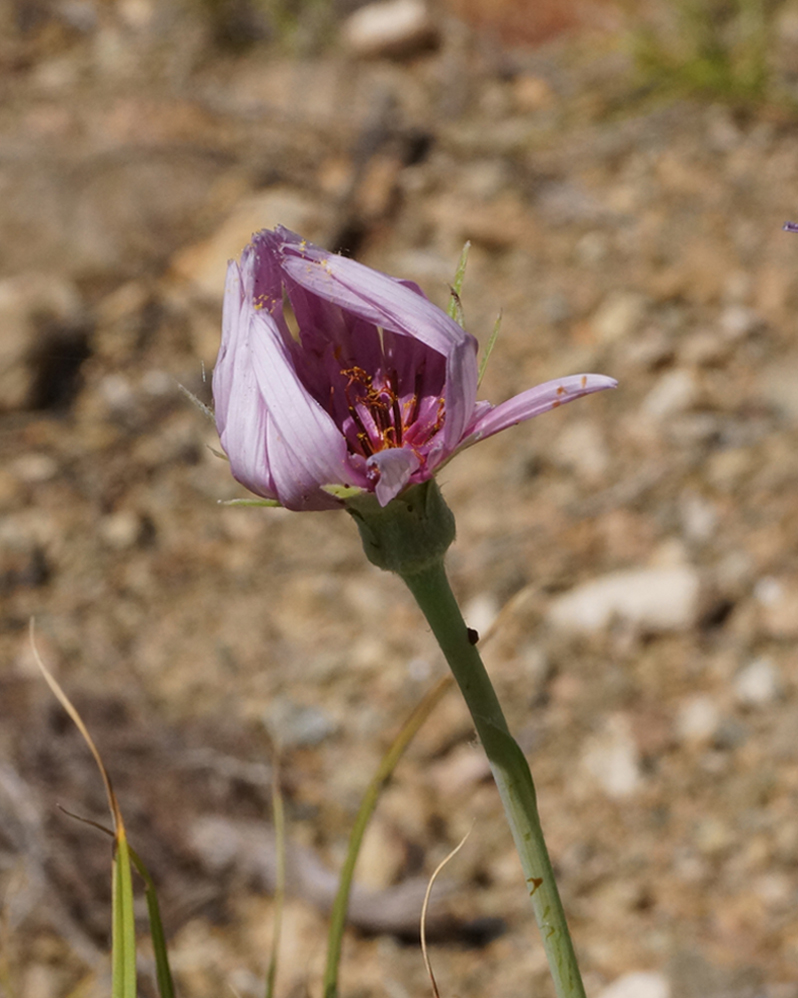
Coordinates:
634 238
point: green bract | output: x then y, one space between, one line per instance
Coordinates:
409 534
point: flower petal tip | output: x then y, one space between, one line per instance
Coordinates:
391 469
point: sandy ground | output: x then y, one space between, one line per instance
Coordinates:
645 539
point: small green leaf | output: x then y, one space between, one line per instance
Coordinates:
455 308
206 411
489 348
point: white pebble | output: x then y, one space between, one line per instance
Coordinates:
390 28
757 684
638 984
581 448
737 321
675 392
618 316
697 720
613 760
650 599
699 517
480 612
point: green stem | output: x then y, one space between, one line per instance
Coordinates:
433 594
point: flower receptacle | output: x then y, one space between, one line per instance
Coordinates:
409 534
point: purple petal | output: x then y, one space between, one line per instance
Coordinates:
224 370
462 377
241 414
534 401
482 408
306 449
295 485
395 467
790 226
383 300
262 281
391 304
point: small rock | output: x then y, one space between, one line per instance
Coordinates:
298 726
382 857
460 770
39 981
778 607
693 977
34 468
699 518
638 984
613 759
532 93
737 321
117 394
651 599
204 265
157 383
392 29
484 179
618 316
673 393
775 889
137 14
648 351
704 348
581 448
535 664
758 684
498 224
733 572
768 590
713 836
480 613
419 670
777 386
120 530
697 720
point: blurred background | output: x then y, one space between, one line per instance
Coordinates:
623 171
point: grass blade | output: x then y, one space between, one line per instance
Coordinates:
66 703
367 806
163 972
425 907
278 813
123 928
123 947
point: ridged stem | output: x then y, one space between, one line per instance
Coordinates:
431 589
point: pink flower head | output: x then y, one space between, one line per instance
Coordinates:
377 391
